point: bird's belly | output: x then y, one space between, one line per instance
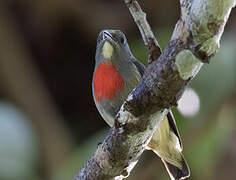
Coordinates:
108 110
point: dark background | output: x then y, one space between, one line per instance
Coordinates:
49 123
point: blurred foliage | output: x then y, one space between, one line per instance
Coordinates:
80 156
49 124
18 144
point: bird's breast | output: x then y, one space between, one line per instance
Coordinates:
107 82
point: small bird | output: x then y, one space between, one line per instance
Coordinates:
116 74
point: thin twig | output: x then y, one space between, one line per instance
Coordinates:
154 50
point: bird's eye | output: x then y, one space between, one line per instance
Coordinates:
122 40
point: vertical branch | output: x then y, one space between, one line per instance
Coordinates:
154 50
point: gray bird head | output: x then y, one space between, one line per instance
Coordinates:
112 45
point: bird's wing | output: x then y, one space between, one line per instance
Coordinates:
173 126
139 66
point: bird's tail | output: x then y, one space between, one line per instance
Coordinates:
177 173
167 145
177 168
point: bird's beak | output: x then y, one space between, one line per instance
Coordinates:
106 35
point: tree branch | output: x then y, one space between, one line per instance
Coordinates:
195 39
148 37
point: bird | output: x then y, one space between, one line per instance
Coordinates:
116 74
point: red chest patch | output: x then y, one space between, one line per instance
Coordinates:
107 82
